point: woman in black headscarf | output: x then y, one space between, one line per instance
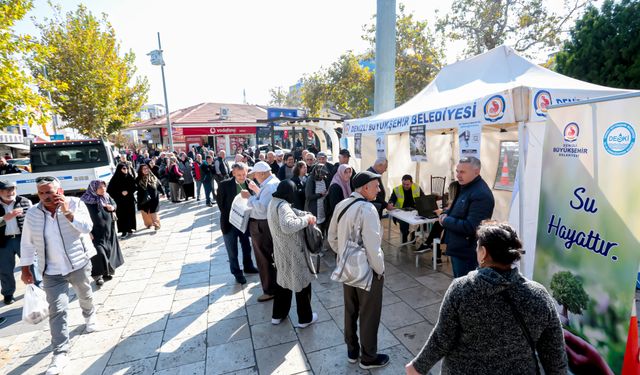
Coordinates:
121 189
286 225
102 209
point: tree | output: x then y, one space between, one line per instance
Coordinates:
604 47
19 103
95 91
284 98
567 290
527 25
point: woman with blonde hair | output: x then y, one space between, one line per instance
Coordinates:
148 191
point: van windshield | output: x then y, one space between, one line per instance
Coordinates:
62 157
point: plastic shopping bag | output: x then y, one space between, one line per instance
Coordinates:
36 308
239 215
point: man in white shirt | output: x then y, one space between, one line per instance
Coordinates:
259 227
360 304
56 233
12 211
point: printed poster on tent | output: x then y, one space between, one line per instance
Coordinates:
589 228
469 139
418 143
357 145
381 145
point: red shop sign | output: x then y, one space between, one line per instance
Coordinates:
214 130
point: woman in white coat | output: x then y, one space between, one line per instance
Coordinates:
293 274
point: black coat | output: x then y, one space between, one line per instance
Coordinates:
473 204
227 191
126 204
105 240
334 197
381 199
153 192
311 197
300 195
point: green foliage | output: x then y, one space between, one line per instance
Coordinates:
527 25
93 86
19 103
284 98
604 47
347 85
568 291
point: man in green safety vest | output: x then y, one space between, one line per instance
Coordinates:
404 196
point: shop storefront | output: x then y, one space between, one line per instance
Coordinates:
228 138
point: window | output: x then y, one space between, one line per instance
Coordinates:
61 157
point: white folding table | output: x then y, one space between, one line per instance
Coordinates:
412 218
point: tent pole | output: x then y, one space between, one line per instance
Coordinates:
521 169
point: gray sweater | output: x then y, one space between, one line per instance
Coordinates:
477 332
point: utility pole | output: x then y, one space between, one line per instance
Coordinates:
385 76
156 59
55 115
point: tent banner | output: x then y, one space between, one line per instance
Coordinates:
588 232
541 98
469 136
357 146
381 145
488 110
418 143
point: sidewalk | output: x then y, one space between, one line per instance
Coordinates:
173 308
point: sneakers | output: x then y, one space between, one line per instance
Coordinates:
314 318
58 363
99 281
240 279
275 321
265 297
8 300
353 357
91 323
124 235
381 361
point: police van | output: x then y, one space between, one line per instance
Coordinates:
74 163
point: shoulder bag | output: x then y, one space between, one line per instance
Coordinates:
525 330
352 266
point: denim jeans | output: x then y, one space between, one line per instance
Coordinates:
57 289
231 243
198 188
208 190
461 266
8 254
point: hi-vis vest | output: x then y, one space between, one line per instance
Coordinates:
399 190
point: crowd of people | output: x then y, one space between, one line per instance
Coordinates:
65 240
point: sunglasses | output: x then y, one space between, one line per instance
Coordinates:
46 179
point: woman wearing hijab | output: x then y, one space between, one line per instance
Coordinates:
300 179
121 188
102 209
186 167
339 189
148 191
286 225
315 193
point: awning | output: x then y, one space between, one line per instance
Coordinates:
19 146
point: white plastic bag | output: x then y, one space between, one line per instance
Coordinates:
239 215
36 308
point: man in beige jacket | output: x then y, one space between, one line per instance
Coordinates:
357 212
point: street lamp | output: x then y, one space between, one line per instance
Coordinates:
156 59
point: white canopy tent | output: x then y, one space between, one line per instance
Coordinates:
501 91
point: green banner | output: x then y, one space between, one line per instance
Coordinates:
587 247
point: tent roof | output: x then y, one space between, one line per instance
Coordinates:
492 72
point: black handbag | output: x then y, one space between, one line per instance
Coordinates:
313 239
143 197
524 328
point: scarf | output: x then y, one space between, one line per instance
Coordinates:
337 179
91 195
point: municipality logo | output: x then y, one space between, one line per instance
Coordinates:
619 138
571 132
541 101
494 108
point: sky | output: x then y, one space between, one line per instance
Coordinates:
215 49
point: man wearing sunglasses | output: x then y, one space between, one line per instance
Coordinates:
56 233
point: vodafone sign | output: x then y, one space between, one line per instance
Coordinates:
214 130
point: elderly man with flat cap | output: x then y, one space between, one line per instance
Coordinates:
12 211
357 213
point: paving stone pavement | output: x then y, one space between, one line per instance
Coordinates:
174 308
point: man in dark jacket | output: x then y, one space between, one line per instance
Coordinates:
227 191
379 167
12 211
207 171
6 168
473 204
286 171
221 167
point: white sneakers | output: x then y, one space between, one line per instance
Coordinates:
59 362
275 322
314 318
92 323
